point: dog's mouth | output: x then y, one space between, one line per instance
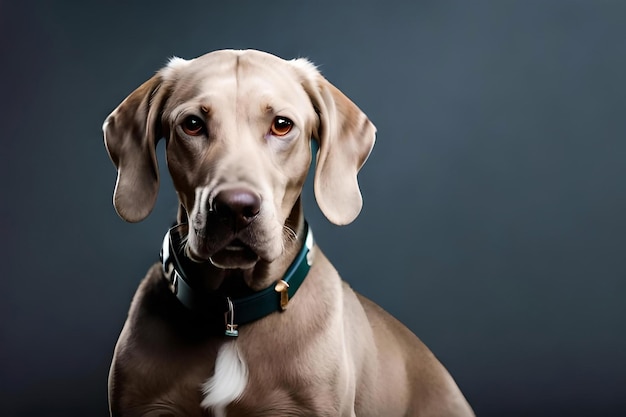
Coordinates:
234 254
230 242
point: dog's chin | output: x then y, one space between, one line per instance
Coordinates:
234 257
236 254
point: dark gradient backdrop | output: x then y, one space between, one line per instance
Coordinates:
494 220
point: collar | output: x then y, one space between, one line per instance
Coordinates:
236 311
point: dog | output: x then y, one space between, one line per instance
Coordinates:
244 315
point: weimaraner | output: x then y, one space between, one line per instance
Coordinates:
245 316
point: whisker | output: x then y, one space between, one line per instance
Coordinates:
289 233
184 244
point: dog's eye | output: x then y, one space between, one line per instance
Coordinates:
281 126
193 125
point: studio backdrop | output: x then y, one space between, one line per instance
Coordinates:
494 219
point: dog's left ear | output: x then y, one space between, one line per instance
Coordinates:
130 135
346 137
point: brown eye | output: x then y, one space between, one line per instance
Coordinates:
281 126
193 126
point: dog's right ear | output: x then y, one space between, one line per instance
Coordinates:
131 133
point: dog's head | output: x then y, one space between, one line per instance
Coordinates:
238 126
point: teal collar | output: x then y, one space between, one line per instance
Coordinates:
236 311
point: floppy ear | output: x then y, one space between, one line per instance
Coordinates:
130 137
346 137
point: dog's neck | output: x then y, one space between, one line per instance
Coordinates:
217 294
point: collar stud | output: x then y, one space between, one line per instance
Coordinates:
282 288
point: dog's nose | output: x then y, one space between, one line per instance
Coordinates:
238 205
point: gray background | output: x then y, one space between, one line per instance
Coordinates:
494 199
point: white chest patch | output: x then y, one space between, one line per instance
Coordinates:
228 382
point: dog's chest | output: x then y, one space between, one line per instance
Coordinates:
228 382
240 387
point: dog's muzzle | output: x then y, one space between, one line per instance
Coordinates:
223 230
